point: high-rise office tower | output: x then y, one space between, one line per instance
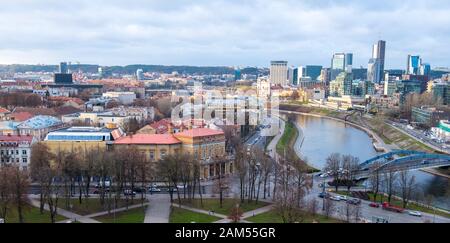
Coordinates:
312 71
413 64
279 72
348 62
293 75
338 61
375 71
63 68
140 74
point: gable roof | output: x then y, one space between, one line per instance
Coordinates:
199 132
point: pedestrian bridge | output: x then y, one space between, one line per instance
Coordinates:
401 160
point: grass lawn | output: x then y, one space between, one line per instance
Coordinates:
92 205
288 139
228 204
399 203
289 136
180 215
135 215
31 215
273 217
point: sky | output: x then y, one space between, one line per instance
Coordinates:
222 32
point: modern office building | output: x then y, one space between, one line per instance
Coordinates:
312 71
279 72
63 68
338 61
140 74
413 65
373 70
428 116
441 92
390 86
348 62
342 85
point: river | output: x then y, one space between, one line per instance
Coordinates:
324 136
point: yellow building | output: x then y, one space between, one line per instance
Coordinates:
202 143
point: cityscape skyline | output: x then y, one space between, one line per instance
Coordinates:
229 34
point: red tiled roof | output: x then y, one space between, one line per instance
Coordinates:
199 132
21 116
3 110
16 138
148 139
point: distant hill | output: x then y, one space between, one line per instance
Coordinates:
129 69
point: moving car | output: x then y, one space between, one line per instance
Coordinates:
354 201
335 198
374 205
324 195
415 213
343 198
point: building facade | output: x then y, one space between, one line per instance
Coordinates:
16 150
279 72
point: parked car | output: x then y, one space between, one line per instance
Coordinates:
415 213
324 195
343 198
139 190
154 189
374 205
128 192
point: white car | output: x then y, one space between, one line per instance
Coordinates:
335 198
343 198
415 213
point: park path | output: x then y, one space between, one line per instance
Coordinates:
69 215
158 210
272 147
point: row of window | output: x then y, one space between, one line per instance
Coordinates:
77 138
17 160
12 152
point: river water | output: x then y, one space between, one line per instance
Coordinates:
323 137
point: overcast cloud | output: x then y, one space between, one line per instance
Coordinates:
221 32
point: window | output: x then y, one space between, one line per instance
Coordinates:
24 152
24 160
152 155
163 153
17 151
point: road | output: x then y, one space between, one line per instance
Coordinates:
420 137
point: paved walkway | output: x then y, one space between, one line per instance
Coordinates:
159 209
71 216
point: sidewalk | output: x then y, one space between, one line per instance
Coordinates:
158 210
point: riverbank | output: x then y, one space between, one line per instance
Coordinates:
288 140
385 139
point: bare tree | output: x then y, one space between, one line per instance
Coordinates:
350 165
19 188
221 184
329 207
41 158
333 168
407 184
6 199
375 179
389 179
